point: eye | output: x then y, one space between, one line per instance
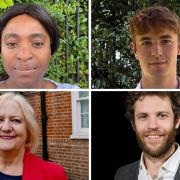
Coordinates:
1 120
38 44
163 115
166 41
146 43
142 116
11 45
16 121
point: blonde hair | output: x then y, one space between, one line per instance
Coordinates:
29 116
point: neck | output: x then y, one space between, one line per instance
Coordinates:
169 82
11 162
41 84
153 164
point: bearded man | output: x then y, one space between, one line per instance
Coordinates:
155 118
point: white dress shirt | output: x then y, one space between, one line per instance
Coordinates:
166 172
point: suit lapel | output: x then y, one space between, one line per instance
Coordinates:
177 176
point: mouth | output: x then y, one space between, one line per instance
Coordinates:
25 68
7 137
158 62
154 138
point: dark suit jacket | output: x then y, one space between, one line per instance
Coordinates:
131 171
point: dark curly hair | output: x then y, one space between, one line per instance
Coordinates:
132 97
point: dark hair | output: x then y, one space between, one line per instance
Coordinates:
37 12
132 97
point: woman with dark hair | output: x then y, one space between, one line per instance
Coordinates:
28 39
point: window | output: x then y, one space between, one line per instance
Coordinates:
80 115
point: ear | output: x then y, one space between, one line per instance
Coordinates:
134 49
177 123
133 126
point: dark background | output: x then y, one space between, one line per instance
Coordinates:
113 139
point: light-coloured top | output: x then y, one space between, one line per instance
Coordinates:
166 172
59 85
139 86
63 85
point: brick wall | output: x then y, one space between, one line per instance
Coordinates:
73 154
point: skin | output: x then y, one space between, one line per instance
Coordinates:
157 55
155 130
25 51
13 135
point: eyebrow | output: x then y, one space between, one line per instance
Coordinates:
146 113
147 38
34 35
166 37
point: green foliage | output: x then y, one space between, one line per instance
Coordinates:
78 47
5 3
110 36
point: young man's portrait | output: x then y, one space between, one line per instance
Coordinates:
136 45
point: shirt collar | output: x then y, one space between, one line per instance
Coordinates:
170 164
139 85
173 162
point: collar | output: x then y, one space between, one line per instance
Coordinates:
170 164
139 85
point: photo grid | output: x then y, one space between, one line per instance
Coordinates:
89 90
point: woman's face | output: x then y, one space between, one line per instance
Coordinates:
25 51
13 131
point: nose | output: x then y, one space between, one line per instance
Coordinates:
24 53
6 126
152 123
156 50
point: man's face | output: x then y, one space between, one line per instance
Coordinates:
154 125
157 53
25 50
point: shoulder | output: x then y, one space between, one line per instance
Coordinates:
2 84
125 172
138 85
45 168
63 85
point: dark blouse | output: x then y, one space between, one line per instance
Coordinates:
9 177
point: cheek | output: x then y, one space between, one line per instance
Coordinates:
142 52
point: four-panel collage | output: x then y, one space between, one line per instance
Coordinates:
89 90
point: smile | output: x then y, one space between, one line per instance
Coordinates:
7 137
153 137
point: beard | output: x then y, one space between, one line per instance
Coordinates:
160 148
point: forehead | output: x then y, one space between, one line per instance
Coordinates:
10 107
152 103
24 24
161 34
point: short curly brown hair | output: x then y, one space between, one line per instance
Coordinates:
154 18
132 97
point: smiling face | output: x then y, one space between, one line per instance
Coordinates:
25 51
13 131
157 53
154 125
